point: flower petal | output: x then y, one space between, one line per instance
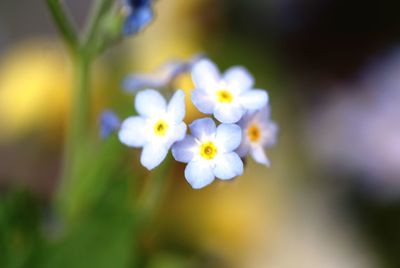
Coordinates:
243 149
180 131
177 134
203 101
239 78
254 99
150 103
258 154
205 74
185 150
203 128
133 131
264 114
153 154
228 113
137 82
228 166
228 137
199 174
271 134
176 106
109 123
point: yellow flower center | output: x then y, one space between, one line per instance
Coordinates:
208 150
254 133
224 96
160 128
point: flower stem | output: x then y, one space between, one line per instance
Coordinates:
77 147
78 128
63 23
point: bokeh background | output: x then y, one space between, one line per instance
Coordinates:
331 197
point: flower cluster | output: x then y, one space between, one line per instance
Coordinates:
210 150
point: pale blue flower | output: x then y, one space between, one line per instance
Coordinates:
209 152
258 133
229 96
157 126
109 122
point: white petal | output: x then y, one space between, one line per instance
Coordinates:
177 134
258 154
185 150
239 78
199 174
228 137
254 99
150 103
205 74
271 133
243 149
133 131
228 166
228 113
180 131
176 106
153 154
203 128
203 101
264 114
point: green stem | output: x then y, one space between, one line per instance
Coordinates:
63 23
77 148
78 128
93 26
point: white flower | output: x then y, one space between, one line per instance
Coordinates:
228 96
209 152
156 128
259 132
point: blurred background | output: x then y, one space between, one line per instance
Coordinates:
330 199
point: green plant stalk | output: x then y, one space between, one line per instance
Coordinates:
78 128
77 146
63 23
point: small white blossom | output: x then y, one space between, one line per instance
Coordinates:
209 152
157 126
259 132
227 97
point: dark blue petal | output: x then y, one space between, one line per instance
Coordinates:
134 4
137 20
109 123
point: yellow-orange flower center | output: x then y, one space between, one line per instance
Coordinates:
160 128
224 96
208 150
254 133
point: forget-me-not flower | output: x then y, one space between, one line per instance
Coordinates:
209 152
140 14
157 126
258 132
229 96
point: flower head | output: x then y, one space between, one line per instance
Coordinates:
209 152
140 14
109 122
157 126
258 132
229 96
